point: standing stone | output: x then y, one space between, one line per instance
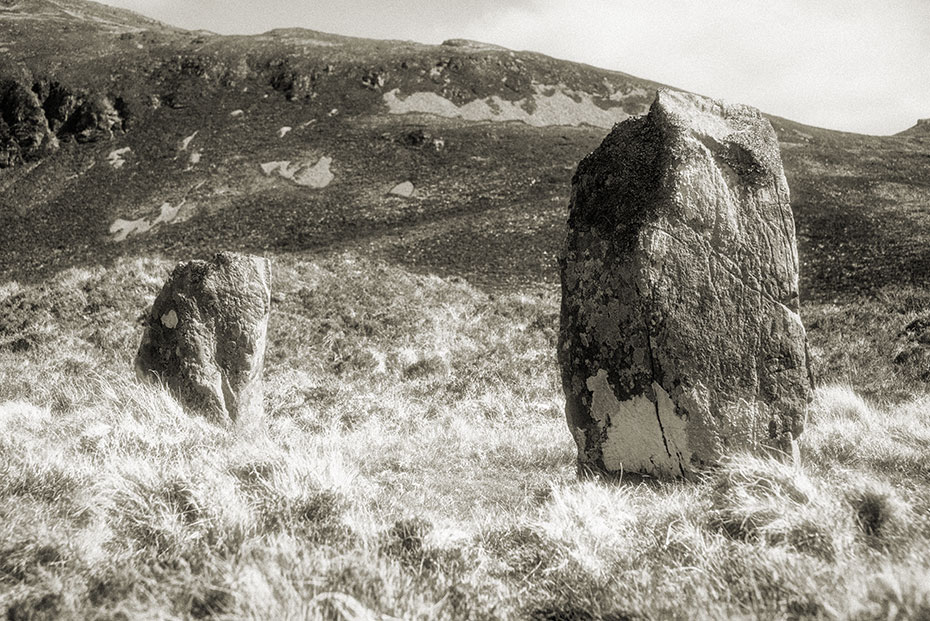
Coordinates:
205 336
680 336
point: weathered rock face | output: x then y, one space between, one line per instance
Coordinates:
34 118
680 336
24 130
205 336
95 119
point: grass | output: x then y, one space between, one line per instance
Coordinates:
878 344
415 464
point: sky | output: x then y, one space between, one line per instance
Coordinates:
852 65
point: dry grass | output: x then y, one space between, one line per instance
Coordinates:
414 465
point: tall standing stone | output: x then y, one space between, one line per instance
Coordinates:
680 336
205 336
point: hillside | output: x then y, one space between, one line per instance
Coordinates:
178 134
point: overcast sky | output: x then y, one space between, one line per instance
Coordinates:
855 65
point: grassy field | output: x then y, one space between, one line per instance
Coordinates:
416 464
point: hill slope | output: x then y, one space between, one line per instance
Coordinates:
176 141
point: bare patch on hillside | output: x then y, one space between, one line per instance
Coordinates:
549 105
187 141
312 173
116 158
404 189
121 229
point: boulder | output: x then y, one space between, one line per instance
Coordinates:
680 339
404 190
205 336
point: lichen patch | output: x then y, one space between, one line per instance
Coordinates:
170 319
641 435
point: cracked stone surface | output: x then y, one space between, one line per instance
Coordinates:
205 336
680 338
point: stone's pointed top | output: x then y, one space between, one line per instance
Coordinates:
734 133
696 110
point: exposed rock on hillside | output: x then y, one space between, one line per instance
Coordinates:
680 335
921 129
205 336
311 172
32 119
473 45
544 105
24 130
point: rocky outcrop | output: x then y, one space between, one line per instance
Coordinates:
34 118
205 336
24 131
96 118
680 336
920 130
79 114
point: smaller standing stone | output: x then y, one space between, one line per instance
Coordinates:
205 336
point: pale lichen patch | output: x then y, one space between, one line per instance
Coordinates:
170 319
641 435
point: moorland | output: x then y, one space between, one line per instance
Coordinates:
415 462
